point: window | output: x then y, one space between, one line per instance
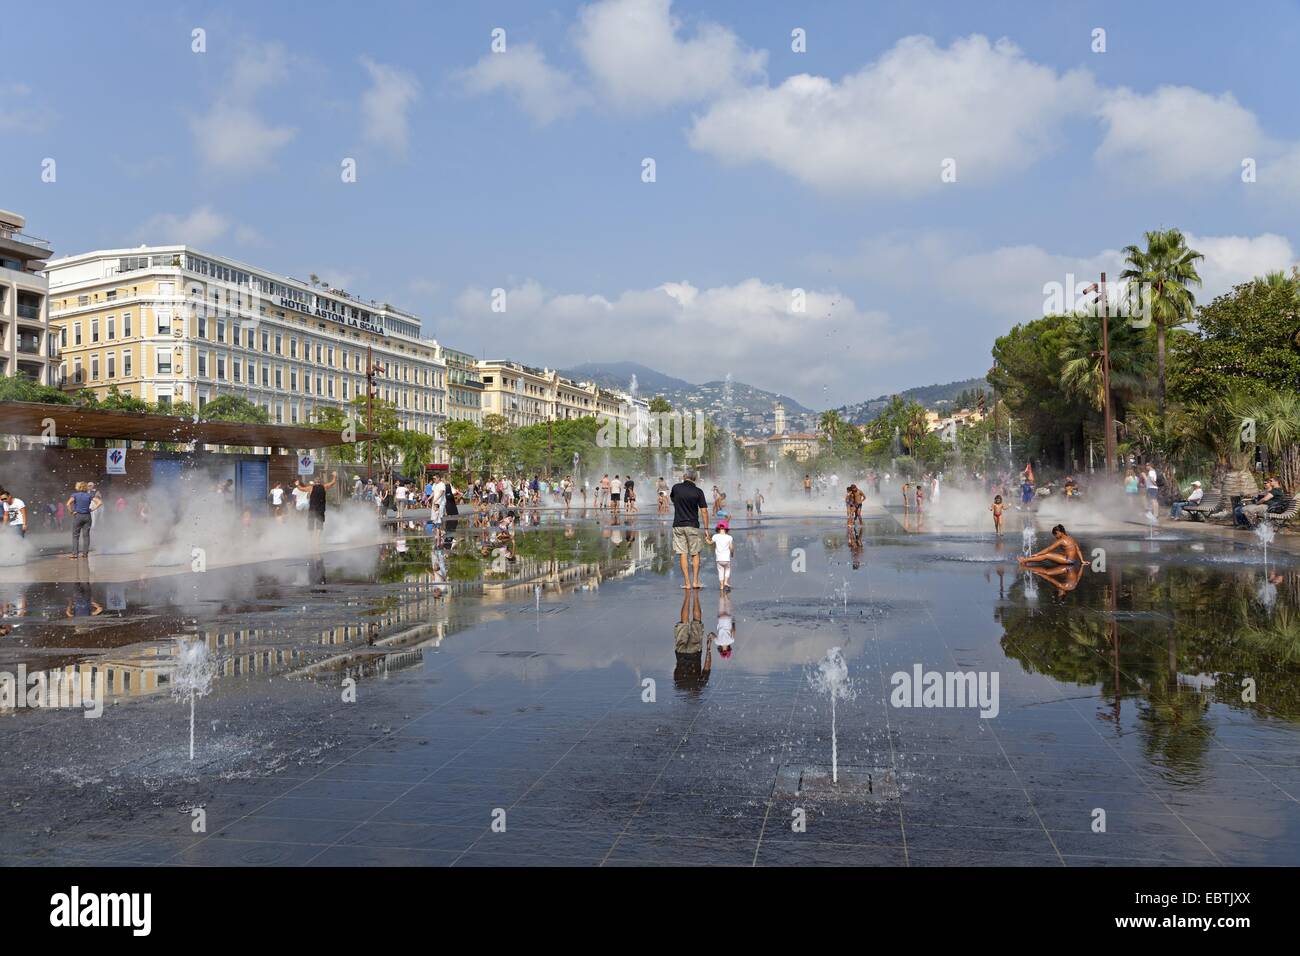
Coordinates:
331 386
203 327
63 337
293 379
111 328
94 368
345 390
279 376
278 347
164 322
76 371
236 370
83 300
94 330
164 364
249 342
126 363
221 368
266 376
76 332
279 408
126 325
203 364
221 331
330 354
266 339
319 389
318 353
112 365
306 382
293 348
165 401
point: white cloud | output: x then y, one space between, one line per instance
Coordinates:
542 91
889 127
385 104
199 227
231 136
638 57
747 329
1176 136
1006 283
1231 260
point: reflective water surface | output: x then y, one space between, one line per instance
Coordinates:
386 705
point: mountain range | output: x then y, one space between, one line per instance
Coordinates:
743 408
746 409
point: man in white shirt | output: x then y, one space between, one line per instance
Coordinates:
1194 498
15 510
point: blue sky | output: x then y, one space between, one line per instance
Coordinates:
774 170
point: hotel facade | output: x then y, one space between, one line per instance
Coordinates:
26 346
171 324
531 396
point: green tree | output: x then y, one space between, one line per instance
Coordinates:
1164 271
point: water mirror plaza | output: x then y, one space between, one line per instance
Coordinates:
572 704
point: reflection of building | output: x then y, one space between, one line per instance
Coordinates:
25 344
170 324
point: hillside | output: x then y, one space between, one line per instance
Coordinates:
934 397
738 406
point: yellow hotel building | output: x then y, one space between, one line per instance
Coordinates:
174 324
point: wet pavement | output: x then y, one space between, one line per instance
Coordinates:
562 702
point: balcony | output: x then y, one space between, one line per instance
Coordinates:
29 344
30 312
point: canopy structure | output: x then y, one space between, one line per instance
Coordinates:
72 421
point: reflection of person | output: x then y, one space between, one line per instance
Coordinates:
1063 550
725 635
1064 578
689 505
694 658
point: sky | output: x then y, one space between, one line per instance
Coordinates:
832 201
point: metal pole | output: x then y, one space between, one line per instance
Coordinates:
1105 377
370 415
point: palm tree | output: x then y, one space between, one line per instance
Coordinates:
1164 271
1277 428
1081 374
830 424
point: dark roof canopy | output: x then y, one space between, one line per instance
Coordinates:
72 421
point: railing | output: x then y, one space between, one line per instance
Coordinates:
17 236
29 312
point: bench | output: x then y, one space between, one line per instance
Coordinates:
1282 518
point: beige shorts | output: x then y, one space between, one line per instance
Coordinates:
687 541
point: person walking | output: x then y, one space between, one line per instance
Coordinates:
316 506
689 507
81 504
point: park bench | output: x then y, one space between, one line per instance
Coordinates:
1280 519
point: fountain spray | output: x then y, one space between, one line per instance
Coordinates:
1264 532
192 677
832 678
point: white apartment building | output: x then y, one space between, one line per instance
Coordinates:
26 347
176 324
